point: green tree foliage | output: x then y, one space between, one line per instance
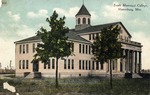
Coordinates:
107 46
54 42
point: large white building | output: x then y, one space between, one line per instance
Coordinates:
81 63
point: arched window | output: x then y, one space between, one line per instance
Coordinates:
84 21
88 21
78 20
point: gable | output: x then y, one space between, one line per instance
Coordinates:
93 30
124 32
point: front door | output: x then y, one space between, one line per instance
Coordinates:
35 67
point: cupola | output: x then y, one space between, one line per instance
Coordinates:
83 18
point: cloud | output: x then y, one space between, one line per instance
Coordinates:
144 39
40 13
93 15
0 3
139 22
7 50
24 31
67 13
14 33
112 12
72 12
15 17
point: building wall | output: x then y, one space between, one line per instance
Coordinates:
24 56
78 55
49 72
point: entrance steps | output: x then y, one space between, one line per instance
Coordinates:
32 74
132 75
135 75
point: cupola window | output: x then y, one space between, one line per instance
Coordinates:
84 21
78 20
88 21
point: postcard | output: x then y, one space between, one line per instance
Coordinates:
48 43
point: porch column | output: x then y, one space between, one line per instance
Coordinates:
118 65
133 61
130 64
136 62
127 60
108 68
139 61
123 61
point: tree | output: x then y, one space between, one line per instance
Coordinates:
107 46
54 42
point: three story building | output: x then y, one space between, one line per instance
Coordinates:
81 63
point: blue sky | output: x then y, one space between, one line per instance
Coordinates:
22 18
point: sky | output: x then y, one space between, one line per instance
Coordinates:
21 19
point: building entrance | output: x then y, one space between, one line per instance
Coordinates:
35 67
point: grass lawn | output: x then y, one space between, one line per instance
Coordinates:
78 86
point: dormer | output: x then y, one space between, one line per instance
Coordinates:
83 18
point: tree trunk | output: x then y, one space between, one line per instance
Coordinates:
56 72
110 75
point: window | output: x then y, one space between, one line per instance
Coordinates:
97 65
44 65
93 65
86 64
80 64
89 49
113 65
84 21
23 65
19 64
121 66
88 20
27 48
72 64
79 48
68 63
89 36
102 66
93 36
127 39
38 44
65 65
72 47
86 49
120 37
27 64
83 64
97 35
53 63
20 49
78 20
83 49
89 65
49 64
33 48
23 48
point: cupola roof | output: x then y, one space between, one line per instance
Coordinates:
83 11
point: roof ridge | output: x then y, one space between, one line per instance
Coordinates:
106 23
100 25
